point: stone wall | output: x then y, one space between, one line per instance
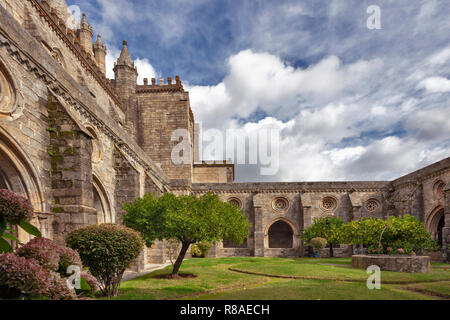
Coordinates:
416 264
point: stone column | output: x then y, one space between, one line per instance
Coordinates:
446 229
259 233
69 151
417 209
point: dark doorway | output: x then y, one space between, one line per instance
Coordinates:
439 229
280 235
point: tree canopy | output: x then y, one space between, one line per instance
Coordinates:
329 228
188 218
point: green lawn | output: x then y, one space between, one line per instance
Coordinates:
318 279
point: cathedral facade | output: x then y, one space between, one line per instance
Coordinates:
80 145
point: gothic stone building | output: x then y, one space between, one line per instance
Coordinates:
79 146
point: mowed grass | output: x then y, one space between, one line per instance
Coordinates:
439 289
283 289
323 278
333 269
212 274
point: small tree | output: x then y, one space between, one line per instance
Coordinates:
108 250
187 218
329 228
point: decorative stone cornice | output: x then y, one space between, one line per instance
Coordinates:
69 38
288 187
84 112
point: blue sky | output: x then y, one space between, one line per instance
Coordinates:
351 103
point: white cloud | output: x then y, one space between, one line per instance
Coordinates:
330 118
261 81
440 57
435 84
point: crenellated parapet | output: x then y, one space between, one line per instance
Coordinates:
160 86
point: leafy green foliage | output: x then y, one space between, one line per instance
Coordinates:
107 249
187 218
329 228
402 235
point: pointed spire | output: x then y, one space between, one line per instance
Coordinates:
84 24
98 44
125 58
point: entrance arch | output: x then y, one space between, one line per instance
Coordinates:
280 235
435 223
18 175
101 202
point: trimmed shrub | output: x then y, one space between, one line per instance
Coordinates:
201 249
318 243
108 250
14 208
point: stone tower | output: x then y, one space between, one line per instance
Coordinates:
85 35
100 54
125 81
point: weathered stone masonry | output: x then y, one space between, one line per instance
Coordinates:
80 146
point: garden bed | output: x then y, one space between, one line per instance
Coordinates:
396 263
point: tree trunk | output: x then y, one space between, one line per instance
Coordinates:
177 265
331 251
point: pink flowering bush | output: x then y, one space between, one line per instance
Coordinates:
38 268
94 285
68 257
43 251
21 276
14 208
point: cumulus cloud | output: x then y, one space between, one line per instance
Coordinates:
261 81
435 84
338 127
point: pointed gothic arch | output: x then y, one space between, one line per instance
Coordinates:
435 223
18 175
102 202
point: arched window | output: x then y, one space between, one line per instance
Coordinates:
280 235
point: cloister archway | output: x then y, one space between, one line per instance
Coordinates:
101 202
18 175
435 223
280 234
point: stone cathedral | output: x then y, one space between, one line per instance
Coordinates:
80 145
